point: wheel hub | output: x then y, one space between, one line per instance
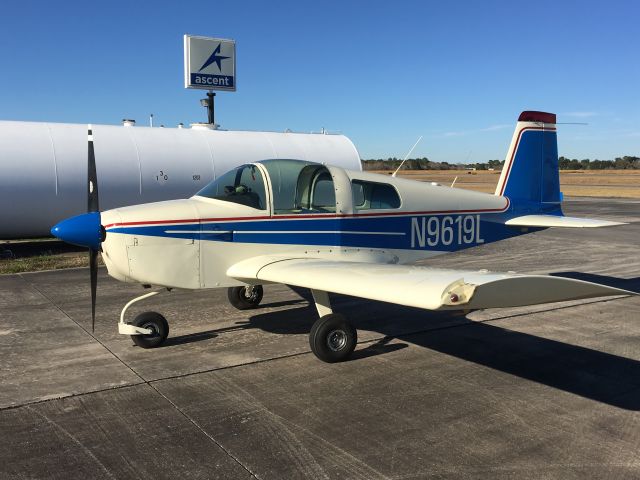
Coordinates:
250 293
336 340
153 328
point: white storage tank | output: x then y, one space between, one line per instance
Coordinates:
43 166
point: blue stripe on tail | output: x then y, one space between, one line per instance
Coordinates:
534 176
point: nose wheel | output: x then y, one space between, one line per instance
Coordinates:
147 330
158 326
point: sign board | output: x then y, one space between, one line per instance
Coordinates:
209 63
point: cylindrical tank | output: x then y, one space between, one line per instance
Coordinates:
43 166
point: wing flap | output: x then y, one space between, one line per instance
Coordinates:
518 291
420 287
559 221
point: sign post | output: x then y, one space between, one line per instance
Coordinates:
209 64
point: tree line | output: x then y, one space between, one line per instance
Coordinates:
619 163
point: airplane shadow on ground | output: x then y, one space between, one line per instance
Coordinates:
631 284
599 376
209 334
592 374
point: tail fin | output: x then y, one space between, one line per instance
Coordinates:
530 172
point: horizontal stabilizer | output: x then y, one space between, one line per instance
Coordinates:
420 287
559 221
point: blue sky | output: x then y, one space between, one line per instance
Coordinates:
383 73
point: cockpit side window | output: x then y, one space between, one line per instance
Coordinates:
374 196
300 187
315 192
323 192
244 185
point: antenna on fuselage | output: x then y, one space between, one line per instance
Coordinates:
406 156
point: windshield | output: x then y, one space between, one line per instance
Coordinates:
244 185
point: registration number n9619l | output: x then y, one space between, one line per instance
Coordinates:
434 231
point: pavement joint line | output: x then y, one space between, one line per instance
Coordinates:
71 395
86 331
204 432
143 381
75 440
147 382
238 365
161 379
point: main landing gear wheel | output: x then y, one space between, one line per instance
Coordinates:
245 298
332 338
157 324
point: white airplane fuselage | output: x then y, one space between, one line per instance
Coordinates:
192 243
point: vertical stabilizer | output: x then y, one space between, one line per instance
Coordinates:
530 172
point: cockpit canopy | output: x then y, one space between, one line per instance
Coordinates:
297 187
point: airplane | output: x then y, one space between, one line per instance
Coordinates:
332 230
44 165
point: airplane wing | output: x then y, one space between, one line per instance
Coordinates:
559 221
415 286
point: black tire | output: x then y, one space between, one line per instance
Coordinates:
332 338
244 298
155 322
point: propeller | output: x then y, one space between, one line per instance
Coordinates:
93 205
86 229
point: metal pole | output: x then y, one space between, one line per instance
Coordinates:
210 112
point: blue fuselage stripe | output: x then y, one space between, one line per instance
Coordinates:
412 232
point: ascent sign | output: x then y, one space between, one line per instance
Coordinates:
209 63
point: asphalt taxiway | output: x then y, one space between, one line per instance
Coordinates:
549 391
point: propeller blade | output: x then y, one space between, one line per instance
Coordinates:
93 268
93 203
